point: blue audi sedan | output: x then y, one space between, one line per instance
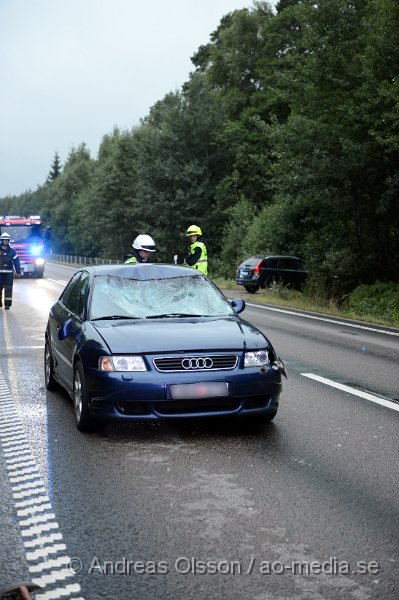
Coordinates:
157 341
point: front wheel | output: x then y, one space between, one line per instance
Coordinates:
50 383
251 289
262 419
266 418
84 420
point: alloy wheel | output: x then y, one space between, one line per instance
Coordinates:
77 396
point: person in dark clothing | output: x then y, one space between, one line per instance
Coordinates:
9 261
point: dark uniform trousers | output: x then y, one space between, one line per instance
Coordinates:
8 261
6 282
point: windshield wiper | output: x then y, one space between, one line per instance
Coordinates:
171 315
110 317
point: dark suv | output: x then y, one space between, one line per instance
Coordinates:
263 271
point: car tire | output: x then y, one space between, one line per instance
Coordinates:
50 383
251 289
269 283
83 419
263 419
268 417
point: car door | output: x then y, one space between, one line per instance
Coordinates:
269 272
287 271
70 310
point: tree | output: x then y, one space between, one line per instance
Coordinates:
56 169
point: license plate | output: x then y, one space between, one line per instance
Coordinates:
244 273
191 391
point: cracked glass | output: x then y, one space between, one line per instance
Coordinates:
118 297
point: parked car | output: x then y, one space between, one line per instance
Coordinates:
154 341
264 271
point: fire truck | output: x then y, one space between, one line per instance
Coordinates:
27 239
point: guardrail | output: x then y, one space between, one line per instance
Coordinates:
82 260
88 261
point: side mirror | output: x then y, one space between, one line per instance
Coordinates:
238 304
66 330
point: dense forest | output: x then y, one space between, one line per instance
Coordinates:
285 139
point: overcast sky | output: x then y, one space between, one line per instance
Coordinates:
72 70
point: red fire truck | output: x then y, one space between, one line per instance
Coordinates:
27 239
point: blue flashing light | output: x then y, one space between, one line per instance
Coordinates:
36 250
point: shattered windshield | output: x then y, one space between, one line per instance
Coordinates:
118 297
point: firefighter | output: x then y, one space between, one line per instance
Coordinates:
198 257
143 246
9 261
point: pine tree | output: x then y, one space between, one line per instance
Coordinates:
56 168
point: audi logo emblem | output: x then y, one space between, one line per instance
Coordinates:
197 363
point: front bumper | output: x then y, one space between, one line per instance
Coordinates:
32 267
147 395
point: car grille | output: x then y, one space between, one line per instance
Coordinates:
193 407
211 362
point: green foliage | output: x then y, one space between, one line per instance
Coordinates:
380 300
285 139
56 168
61 201
240 217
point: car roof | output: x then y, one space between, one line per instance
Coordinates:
281 256
263 256
142 271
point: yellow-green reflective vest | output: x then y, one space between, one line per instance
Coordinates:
132 261
202 264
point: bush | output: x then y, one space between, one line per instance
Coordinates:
379 300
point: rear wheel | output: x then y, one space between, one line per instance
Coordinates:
251 289
269 283
50 382
84 420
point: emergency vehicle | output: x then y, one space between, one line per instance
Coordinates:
27 239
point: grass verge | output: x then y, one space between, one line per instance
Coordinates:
282 296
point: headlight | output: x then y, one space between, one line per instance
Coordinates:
260 358
39 262
122 363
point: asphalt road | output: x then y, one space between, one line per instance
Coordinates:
303 508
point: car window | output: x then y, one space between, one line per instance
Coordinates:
251 262
76 299
287 263
189 295
271 263
67 291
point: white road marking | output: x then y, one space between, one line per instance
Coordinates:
32 506
349 390
326 320
57 281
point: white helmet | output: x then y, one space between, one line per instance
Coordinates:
5 236
144 242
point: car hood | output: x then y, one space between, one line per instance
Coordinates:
179 335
